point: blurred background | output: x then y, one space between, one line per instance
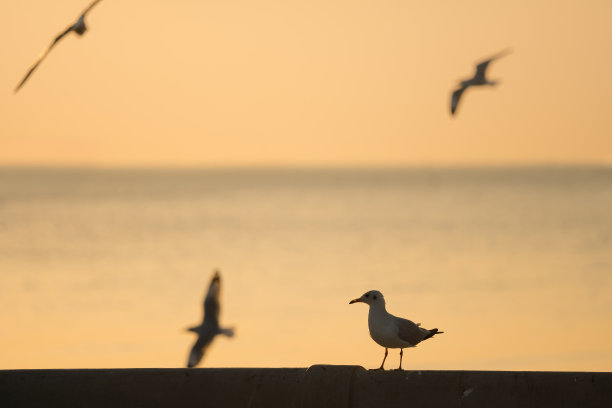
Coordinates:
306 149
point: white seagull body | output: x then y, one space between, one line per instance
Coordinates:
478 79
390 331
78 27
210 324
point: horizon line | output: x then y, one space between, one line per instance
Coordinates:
303 166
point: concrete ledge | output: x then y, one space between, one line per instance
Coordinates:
317 386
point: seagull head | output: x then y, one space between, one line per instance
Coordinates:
79 27
372 297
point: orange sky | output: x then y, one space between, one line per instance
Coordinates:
317 82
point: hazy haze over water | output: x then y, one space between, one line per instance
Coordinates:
105 268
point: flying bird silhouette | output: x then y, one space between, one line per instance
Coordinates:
78 27
479 78
390 331
210 324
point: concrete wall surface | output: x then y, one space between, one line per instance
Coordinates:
317 386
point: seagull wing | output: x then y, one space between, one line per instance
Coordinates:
55 41
90 7
211 302
198 350
210 325
43 56
455 99
481 68
410 331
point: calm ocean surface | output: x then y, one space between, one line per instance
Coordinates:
105 268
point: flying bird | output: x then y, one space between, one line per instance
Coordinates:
390 331
479 78
78 27
210 324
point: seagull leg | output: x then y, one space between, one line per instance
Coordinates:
401 355
383 363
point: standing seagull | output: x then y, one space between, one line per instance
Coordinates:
478 79
210 325
78 27
390 331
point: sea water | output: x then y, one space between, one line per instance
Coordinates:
107 267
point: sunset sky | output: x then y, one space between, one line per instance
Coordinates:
317 82
106 267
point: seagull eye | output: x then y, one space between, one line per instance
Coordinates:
367 295
375 297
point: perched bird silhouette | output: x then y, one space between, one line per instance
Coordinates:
78 27
390 331
210 324
479 78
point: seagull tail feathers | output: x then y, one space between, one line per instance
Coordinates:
227 331
432 332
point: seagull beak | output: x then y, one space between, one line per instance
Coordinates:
355 301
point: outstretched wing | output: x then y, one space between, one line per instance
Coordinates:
55 41
43 56
455 99
211 301
195 356
199 347
481 68
90 7
210 325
